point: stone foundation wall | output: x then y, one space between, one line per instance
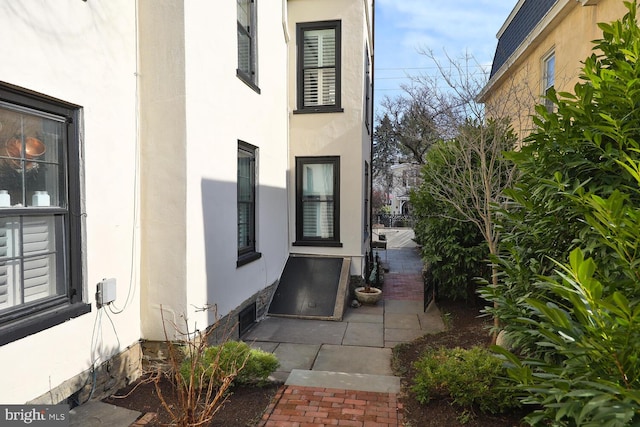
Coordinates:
130 364
107 378
156 353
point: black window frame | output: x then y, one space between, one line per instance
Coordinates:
301 240
30 318
335 25
368 98
250 78
249 253
367 194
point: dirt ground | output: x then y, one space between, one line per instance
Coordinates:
246 404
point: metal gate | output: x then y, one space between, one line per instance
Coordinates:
430 287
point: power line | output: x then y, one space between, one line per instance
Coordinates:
433 67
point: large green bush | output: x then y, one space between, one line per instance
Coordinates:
471 378
595 377
574 151
571 289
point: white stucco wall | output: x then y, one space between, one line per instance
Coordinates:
222 109
160 155
195 265
335 134
83 53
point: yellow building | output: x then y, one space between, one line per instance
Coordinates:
542 44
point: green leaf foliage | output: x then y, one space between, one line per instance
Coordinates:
470 378
594 376
576 168
231 359
569 295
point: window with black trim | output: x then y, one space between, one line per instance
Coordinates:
368 98
319 46
246 203
317 201
41 283
367 193
247 49
548 78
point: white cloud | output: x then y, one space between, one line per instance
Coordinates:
457 26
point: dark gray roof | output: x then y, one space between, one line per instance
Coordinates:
530 14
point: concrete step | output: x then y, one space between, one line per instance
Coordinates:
344 381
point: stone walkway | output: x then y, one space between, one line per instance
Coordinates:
348 381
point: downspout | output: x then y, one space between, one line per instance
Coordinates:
373 49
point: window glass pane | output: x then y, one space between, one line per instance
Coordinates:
320 86
244 13
318 200
320 48
549 72
317 180
245 176
244 52
549 79
246 200
317 219
246 38
30 264
244 225
30 146
319 67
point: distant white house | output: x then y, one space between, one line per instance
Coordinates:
405 177
395 190
162 157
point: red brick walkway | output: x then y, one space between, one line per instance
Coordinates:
296 406
403 286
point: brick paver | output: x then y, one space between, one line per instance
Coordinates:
403 286
296 406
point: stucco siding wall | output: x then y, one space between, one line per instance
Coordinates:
195 210
83 53
334 134
222 109
569 36
163 163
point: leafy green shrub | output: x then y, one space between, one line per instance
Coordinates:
578 322
232 358
471 378
597 379
576 150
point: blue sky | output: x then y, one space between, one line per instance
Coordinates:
403 27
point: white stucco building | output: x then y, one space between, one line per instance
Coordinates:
187 148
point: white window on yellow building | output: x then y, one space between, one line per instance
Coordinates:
549 77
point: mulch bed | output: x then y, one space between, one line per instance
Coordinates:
466 329
246 404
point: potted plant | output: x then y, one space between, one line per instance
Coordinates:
368 294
